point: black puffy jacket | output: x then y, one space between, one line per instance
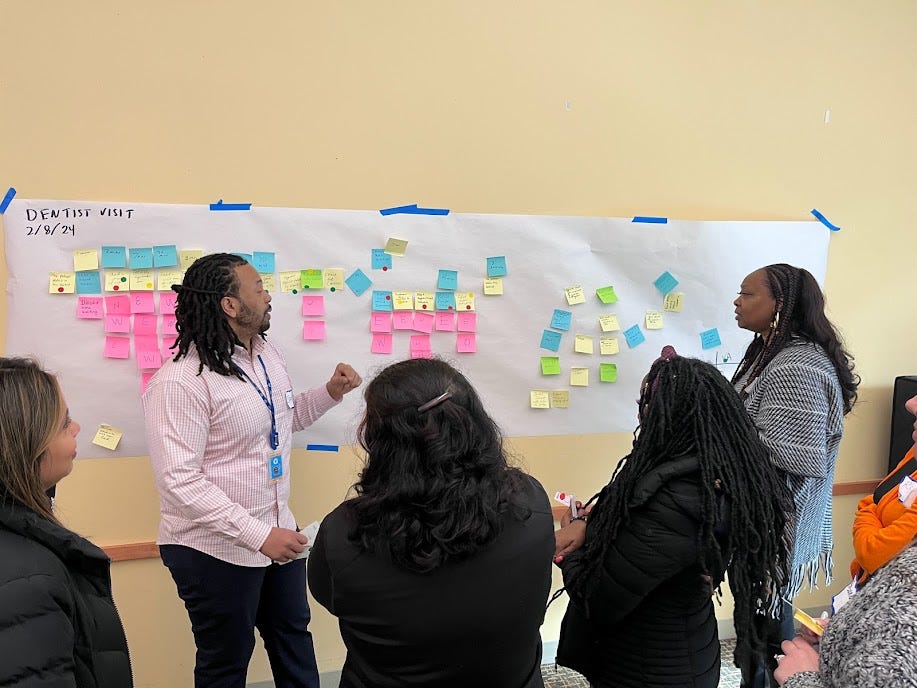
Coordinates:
58 623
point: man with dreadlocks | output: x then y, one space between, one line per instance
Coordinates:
219 423
695 498
797 383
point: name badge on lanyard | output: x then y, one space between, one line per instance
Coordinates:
275 468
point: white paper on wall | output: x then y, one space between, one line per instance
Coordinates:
546 258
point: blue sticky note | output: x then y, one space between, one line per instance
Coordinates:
561 319
496 266
165 256
381 259
445 301
550 340
247 257
358 282
88 282
666 282
448 279
140 258
114 257
710 339
382 300
634 336
263 262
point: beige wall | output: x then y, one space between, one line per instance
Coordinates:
699 110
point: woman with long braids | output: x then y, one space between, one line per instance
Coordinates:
695 498
439 569
797 383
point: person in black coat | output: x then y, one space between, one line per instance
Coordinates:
439 569
696 497
58 621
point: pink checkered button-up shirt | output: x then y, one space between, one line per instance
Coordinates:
209 441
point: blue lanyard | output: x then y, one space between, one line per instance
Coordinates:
268 401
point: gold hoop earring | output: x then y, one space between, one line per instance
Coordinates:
775 321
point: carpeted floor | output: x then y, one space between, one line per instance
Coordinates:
559 677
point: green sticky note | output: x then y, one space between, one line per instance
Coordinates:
550 365
311 279
608 372
606 294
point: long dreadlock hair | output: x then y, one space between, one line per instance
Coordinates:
199 318
688 408
800 313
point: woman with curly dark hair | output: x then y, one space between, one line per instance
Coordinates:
695 499
439 569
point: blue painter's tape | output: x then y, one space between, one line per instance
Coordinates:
413 210
7 200
824 220
322 447
219 205
651 220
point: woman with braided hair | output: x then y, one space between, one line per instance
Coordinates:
695 498
797 383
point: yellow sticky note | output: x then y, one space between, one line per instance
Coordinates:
560 398
579 377
403 300
396 247
62 283
117 280
464 301
425 301
582 344
267 281
575 295
185 258
608 345
289 281
539 399
672 301
141 280
493 286
609 323
334 278
654 320
85 259
107 437
166 277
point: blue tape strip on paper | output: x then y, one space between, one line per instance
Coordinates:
322 447
7 200
824 220
413 210
219 205
651 220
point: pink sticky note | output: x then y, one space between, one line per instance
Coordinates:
467 322
118 323
167 301
149 359
146 342
167 342
313 329
118 305
466 343
168 324
380 322
117 347
313 305
403 320
89 308
423 322
142 302
445 321
145 323
382 343
420 346
145 380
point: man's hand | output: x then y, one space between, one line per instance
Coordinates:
283 545
342 381
798 656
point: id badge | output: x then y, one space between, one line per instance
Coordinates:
275 468
288 395
907 491
843 597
